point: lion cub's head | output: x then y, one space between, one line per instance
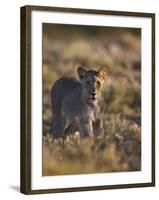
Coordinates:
92 82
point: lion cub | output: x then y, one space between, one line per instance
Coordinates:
76 104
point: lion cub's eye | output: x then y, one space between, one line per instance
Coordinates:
98 84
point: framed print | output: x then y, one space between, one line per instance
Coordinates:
87 99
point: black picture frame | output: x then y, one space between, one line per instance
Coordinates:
25 182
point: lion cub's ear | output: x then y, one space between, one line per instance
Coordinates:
103 72
81 72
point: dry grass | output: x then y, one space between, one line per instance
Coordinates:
119 149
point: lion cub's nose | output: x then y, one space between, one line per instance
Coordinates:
93 93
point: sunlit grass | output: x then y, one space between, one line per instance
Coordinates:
117 150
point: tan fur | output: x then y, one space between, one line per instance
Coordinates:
76 104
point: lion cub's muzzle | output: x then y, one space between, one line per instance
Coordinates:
93 96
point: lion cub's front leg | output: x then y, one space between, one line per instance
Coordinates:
98 127
86 128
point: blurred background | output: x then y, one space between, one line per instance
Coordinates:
65 47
